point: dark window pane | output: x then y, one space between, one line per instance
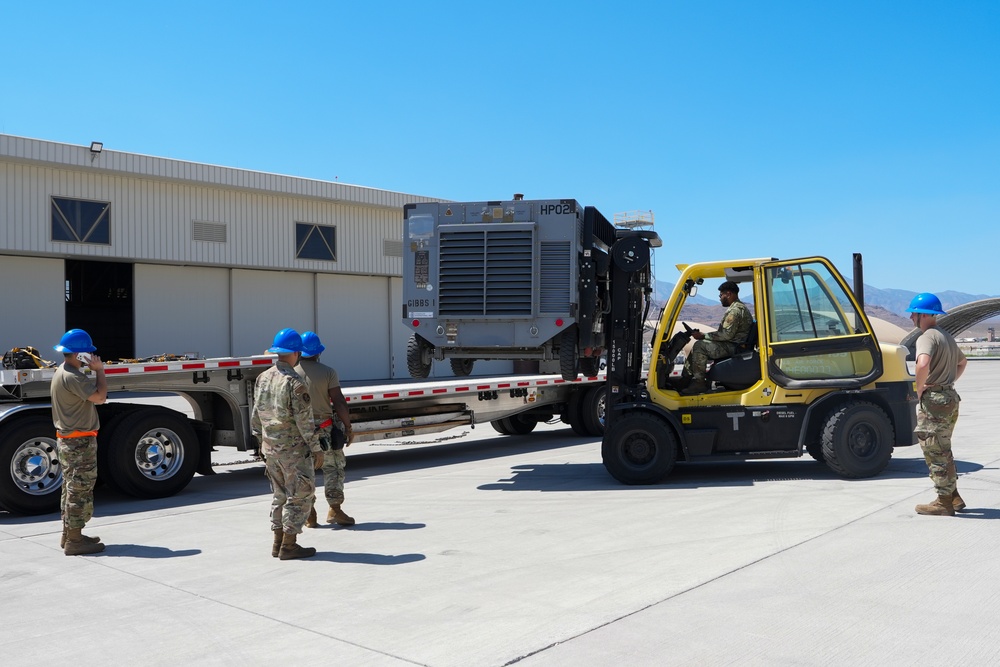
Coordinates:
315 242
80 221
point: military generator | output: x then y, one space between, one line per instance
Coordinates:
519 280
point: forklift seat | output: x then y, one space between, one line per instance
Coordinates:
741 370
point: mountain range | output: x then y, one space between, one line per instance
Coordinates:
886 304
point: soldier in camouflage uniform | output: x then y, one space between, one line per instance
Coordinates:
282 421
939 364
75 398
324 386
721 344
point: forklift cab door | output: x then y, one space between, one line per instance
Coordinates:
817 337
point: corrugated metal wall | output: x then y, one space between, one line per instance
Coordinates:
214 253
154 221
33 303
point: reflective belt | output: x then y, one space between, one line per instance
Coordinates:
78 434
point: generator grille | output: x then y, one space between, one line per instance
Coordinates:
555 278
485 272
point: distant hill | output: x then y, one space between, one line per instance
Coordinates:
885 304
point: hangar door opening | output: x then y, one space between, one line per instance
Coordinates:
99 301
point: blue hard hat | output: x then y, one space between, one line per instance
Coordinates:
75 341
927 303
286 341
311 345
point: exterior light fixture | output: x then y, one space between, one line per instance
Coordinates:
95 149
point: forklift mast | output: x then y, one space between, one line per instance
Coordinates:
631 294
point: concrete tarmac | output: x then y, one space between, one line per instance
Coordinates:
480 549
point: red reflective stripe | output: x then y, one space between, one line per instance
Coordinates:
115 370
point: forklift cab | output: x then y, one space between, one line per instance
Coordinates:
808 331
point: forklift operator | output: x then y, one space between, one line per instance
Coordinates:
721 344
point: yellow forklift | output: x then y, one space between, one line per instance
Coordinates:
811 378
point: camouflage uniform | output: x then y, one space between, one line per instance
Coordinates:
73 412
733 331
78 460
937 412
319 379
282 420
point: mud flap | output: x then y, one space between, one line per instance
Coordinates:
204 431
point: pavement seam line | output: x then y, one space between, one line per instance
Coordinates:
717 578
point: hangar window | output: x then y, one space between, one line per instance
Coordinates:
315 242
81 221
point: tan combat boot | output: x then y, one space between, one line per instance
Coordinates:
311 519
76 545
337 515
290 550
940 507
956 500
957 503
276 547
62 540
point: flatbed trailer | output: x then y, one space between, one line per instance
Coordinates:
151 451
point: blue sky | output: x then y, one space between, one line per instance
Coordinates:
749 128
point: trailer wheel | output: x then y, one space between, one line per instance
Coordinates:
639 449
567 354
520 424
500 427
574 412
153 453
462 367
857 440
418 361
593 409
30 474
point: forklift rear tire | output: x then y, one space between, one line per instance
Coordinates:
857 440
639 449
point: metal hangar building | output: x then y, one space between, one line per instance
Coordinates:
152 256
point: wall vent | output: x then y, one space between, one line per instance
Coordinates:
208 231
392 248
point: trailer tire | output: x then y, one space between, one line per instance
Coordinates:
857 440
568 357
520 424
416 348
639 449
30 474
462 367
499 426
153 453
574 412
593 408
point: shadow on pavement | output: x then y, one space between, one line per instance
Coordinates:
247 480
979 513
594 477
143 551
370 526
365 559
